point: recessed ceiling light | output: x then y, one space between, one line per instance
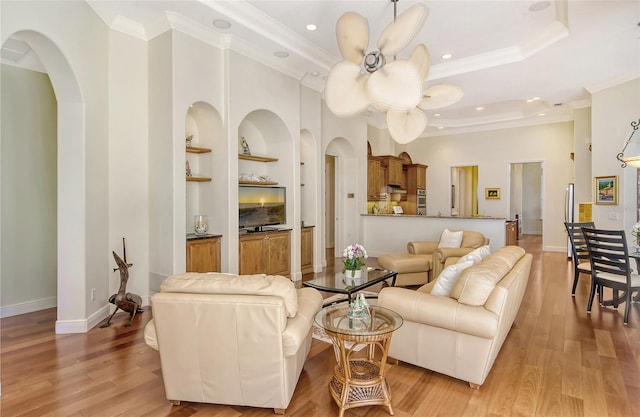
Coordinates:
479 108
539 6
281 54
221 24
315 73
447 56
540 114
440 127
311 27
436 115
535 98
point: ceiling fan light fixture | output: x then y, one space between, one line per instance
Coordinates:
396 86
345 90
364 80
399 33
405 126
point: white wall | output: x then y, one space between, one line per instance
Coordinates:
613 109
313 169
493 152
128 162
583 179
28 142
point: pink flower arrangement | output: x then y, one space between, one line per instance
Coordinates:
353 255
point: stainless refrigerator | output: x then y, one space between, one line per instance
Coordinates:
569 204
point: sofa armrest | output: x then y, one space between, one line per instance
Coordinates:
443 312
440 256
420 247
150 337
298 327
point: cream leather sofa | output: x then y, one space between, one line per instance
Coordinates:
461 335
229 339
424 260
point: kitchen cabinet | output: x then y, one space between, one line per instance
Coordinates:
511 232
203 254
375 178
416 177
393 166
416 180
265 253
306 250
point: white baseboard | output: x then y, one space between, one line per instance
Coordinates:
28 307
555 249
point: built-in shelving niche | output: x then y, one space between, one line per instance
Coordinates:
207 172
271 159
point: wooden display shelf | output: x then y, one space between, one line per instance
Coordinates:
257 182
257 158
195 149
198 179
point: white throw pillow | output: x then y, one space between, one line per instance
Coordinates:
447 278
450 239
477 255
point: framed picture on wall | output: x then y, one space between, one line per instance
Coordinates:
606 190
492 193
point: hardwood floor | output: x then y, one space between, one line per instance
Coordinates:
556 361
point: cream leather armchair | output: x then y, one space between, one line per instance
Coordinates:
424 260
228 339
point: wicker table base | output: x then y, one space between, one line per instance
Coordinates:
359 380
364 386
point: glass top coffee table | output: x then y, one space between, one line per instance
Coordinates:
338 283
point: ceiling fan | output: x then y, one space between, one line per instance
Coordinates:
396 87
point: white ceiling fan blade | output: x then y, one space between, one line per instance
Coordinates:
399 33
441 95
421 59
406 126
345 89
352 33
396 86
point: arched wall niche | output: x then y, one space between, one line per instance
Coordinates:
72 292
267 135
204 122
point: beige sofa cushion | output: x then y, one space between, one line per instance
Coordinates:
219 283
471 239
476 283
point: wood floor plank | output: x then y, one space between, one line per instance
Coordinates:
556 361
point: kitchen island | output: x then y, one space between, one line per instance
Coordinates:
390 233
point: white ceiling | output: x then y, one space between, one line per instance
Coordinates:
503 53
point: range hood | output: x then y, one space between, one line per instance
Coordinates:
395 189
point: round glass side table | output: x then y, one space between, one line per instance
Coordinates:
359 380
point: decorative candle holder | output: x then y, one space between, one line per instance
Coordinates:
200 224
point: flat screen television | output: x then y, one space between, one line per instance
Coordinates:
261 206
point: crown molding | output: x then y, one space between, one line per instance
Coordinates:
510 124
267 27
551 34
612 82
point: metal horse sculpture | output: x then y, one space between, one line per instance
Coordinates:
126 301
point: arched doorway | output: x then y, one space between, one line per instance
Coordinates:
71 193
341 185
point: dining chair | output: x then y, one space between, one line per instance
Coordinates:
579 252
610 267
